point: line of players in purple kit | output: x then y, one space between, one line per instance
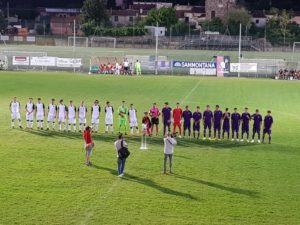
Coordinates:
221 121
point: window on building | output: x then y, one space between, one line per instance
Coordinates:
131 18
213 14
116 18
257 21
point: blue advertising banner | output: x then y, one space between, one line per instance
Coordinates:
200 65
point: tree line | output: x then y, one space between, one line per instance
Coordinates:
279 29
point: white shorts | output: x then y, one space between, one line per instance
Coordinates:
51 118
62 119
144 126
40 117
72 120
82 120
95 121
15 116
109 120
133 123
29 117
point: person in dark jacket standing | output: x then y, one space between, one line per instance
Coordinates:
120 143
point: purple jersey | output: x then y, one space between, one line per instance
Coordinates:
246 118
268 121
166 112
207 116
226 119
257 120
197 116
187 116
235 119
217 116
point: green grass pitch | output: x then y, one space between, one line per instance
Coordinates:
44 179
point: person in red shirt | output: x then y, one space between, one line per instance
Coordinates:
88 144
146 124
177 116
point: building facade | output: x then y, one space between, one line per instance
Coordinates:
218 8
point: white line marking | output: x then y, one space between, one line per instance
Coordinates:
191 91
103 197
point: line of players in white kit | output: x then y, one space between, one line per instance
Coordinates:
67 115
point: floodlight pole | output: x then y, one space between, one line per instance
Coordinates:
74 34
240 46
7 8
74 44
156 50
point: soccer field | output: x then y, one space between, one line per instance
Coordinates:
44 179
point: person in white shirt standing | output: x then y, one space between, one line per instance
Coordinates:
169 142
109 117
40 114
126 67
82 110
14 108
117 68
95 111
72 116
52 111
29 107
133 121
62 114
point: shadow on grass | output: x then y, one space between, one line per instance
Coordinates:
221 187
109 138
149 183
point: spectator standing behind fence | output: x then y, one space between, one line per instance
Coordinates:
117 68
126 67
169 142
121 147
138 69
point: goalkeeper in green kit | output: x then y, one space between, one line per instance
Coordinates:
123 113
138 69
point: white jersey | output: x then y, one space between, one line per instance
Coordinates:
96 111
109 110
126 64
40 108
132 117
29 107
132 114
52 110
62 110
15 107
72 111
82 112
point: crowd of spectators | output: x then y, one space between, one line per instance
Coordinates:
285 74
